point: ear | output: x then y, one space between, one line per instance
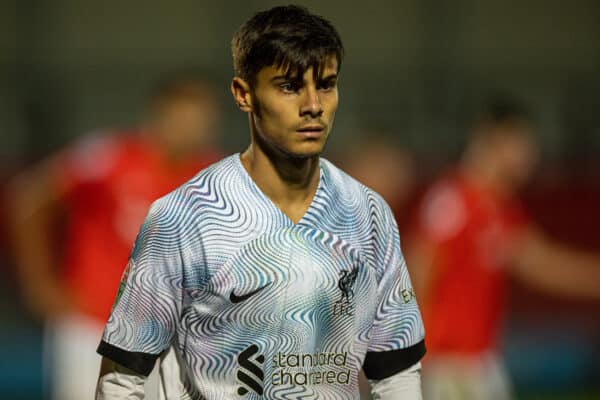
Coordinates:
240 89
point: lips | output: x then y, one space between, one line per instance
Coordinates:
311 131
311 128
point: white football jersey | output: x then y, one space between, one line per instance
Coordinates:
256 306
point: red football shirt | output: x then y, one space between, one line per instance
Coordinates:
471 229
108 183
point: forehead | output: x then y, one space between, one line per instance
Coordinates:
518 129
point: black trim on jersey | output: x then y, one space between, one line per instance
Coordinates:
142 363
383 364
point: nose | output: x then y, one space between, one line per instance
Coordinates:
311 103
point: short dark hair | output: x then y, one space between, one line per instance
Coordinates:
502 111
284 36
179 87
501 108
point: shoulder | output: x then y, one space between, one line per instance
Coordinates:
447 190
224 171
107 143
94 154
356 198
206 187
339 183
444 209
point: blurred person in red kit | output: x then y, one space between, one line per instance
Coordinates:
102 185
470 234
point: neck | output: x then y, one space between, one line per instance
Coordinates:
290 183
484 172
158 141
282 179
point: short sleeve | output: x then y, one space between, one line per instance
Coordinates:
146 311
443 213
397 334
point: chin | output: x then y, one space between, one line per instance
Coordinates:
301 153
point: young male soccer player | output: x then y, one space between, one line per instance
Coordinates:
101 187
471 234
271 274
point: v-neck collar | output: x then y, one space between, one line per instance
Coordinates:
267 200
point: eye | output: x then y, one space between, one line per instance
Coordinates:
290 87
327 85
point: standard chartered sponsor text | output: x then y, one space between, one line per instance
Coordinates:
310 368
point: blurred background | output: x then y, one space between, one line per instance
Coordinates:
413 74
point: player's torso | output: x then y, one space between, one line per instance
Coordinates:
274 309
470 289
113 201
287 312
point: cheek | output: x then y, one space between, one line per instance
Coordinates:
520 163
331 100
269 119
331 104
279 115
265 107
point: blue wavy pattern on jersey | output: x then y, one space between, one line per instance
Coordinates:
219 234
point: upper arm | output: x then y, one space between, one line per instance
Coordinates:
397 334
147 308
33 191
47 183
108 366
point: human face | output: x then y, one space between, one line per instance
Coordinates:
518 153
187 125
292 116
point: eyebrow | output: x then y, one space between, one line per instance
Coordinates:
279 78
285 77
328 77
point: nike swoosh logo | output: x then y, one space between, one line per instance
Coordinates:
238 299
